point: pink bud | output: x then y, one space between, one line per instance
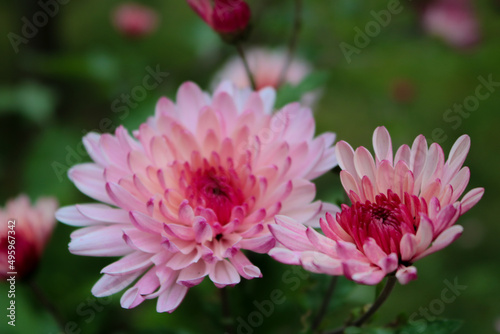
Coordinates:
225 16
134 20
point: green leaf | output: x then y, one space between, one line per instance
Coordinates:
31 99
290 93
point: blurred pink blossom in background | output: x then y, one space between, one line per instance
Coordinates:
453 20
134 20
33 227
266 66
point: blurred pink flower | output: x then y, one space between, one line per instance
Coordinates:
134 20
31 231
202 182
225 16
266 66
403 209
453 20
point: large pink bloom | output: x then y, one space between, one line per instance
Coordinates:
29 234
403 209
200 183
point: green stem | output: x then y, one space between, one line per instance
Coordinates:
324 305
292 44
389 285
226 311
48 305
239 48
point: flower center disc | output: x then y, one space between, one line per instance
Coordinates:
216 191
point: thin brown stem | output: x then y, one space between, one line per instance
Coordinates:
294 38
324 306
241 52
389 285
48 305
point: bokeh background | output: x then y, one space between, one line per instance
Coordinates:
63 81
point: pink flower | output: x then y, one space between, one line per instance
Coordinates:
225 17
200 182
403 209
266 66
29 228
134 20
452 20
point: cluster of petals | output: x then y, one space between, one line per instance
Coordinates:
453 20
134 20
223 16
199 182
29 228
404 208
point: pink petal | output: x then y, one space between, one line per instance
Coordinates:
471 198
142 241
108 285
284 255
424 234
223 273
382 145
145 223
99 241
128 264
443 240
89 179
71 216
408 246
171 298
181 261
203 231
406 274
244 267
259 245
193 274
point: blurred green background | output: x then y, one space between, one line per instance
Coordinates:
62 83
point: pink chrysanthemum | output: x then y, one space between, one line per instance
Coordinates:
403 209
200 183
31 228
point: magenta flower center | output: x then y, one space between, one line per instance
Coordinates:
386 221
216 190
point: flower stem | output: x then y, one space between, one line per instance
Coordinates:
226 311
48 305
389 285
324 305
292 44
241 52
